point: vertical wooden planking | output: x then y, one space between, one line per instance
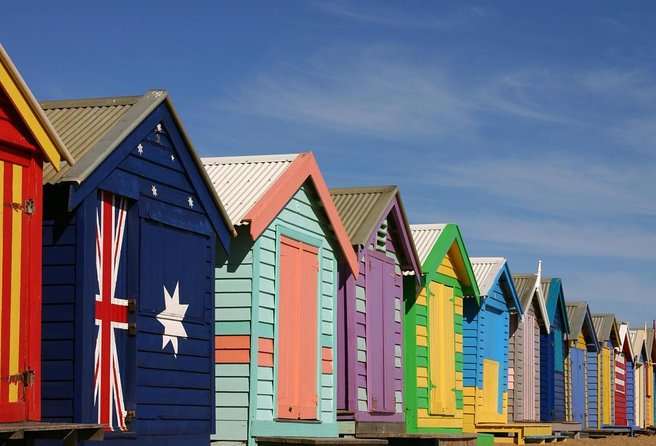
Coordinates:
307 305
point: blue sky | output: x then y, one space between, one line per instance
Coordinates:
531 125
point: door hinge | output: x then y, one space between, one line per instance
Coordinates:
132 329
28 206
130 415
26 377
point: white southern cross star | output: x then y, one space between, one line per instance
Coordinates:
172 157
191 202
154 190
140 149
171 318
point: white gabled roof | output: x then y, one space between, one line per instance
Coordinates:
425 237
486 269
241 181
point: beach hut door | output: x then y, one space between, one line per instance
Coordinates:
530 372
380 277
578 385
20 326
297 331
441 341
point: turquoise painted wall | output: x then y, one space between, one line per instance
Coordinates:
246 304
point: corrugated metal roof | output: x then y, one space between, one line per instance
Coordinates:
545 284
576 316
425 237
486 270
361 208
650 340
81 124
525 286
93 128
242 180
603 324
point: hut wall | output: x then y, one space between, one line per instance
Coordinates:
254 326
162 382
377 366
485 368
434 347
630 394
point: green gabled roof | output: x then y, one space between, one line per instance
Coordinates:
435 241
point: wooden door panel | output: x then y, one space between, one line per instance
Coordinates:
297 331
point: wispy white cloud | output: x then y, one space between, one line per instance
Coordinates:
376 13
564 184
372 91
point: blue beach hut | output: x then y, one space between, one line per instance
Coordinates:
128 273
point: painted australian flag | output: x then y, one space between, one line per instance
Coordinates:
111 312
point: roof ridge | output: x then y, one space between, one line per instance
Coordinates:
361 189
90 102
249 158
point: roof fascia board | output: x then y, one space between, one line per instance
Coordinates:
450 235
514 297
275 198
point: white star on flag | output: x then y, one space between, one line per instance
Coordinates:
154 190
171 318
191 202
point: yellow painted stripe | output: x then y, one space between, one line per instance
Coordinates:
2 220
16 245
29 117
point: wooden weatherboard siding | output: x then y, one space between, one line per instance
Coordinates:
250 398
553 348
525 361
370 309
25 143
433 336
137 249
486 334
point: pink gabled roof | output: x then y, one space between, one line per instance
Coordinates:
246 187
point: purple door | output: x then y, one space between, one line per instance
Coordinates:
380 277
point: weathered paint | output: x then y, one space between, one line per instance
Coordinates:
433 337
486 331
156 384
26 141
251 282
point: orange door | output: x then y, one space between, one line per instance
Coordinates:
20 289
297 330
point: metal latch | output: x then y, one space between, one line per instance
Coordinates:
28 206
25 377
130 415
132 329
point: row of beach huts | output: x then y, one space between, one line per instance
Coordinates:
152 297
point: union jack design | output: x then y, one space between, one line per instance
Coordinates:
111 312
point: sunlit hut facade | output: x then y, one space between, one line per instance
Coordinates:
130 234
370 309
609 342
524 350
581 393
276 299
553 350
639 345
486 350
27 140
433 330
624 380
651 399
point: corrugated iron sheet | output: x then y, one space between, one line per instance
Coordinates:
361 208
545 284
241 181
425 237
81 124
576 316
603 324
486 269
525 286
638 339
